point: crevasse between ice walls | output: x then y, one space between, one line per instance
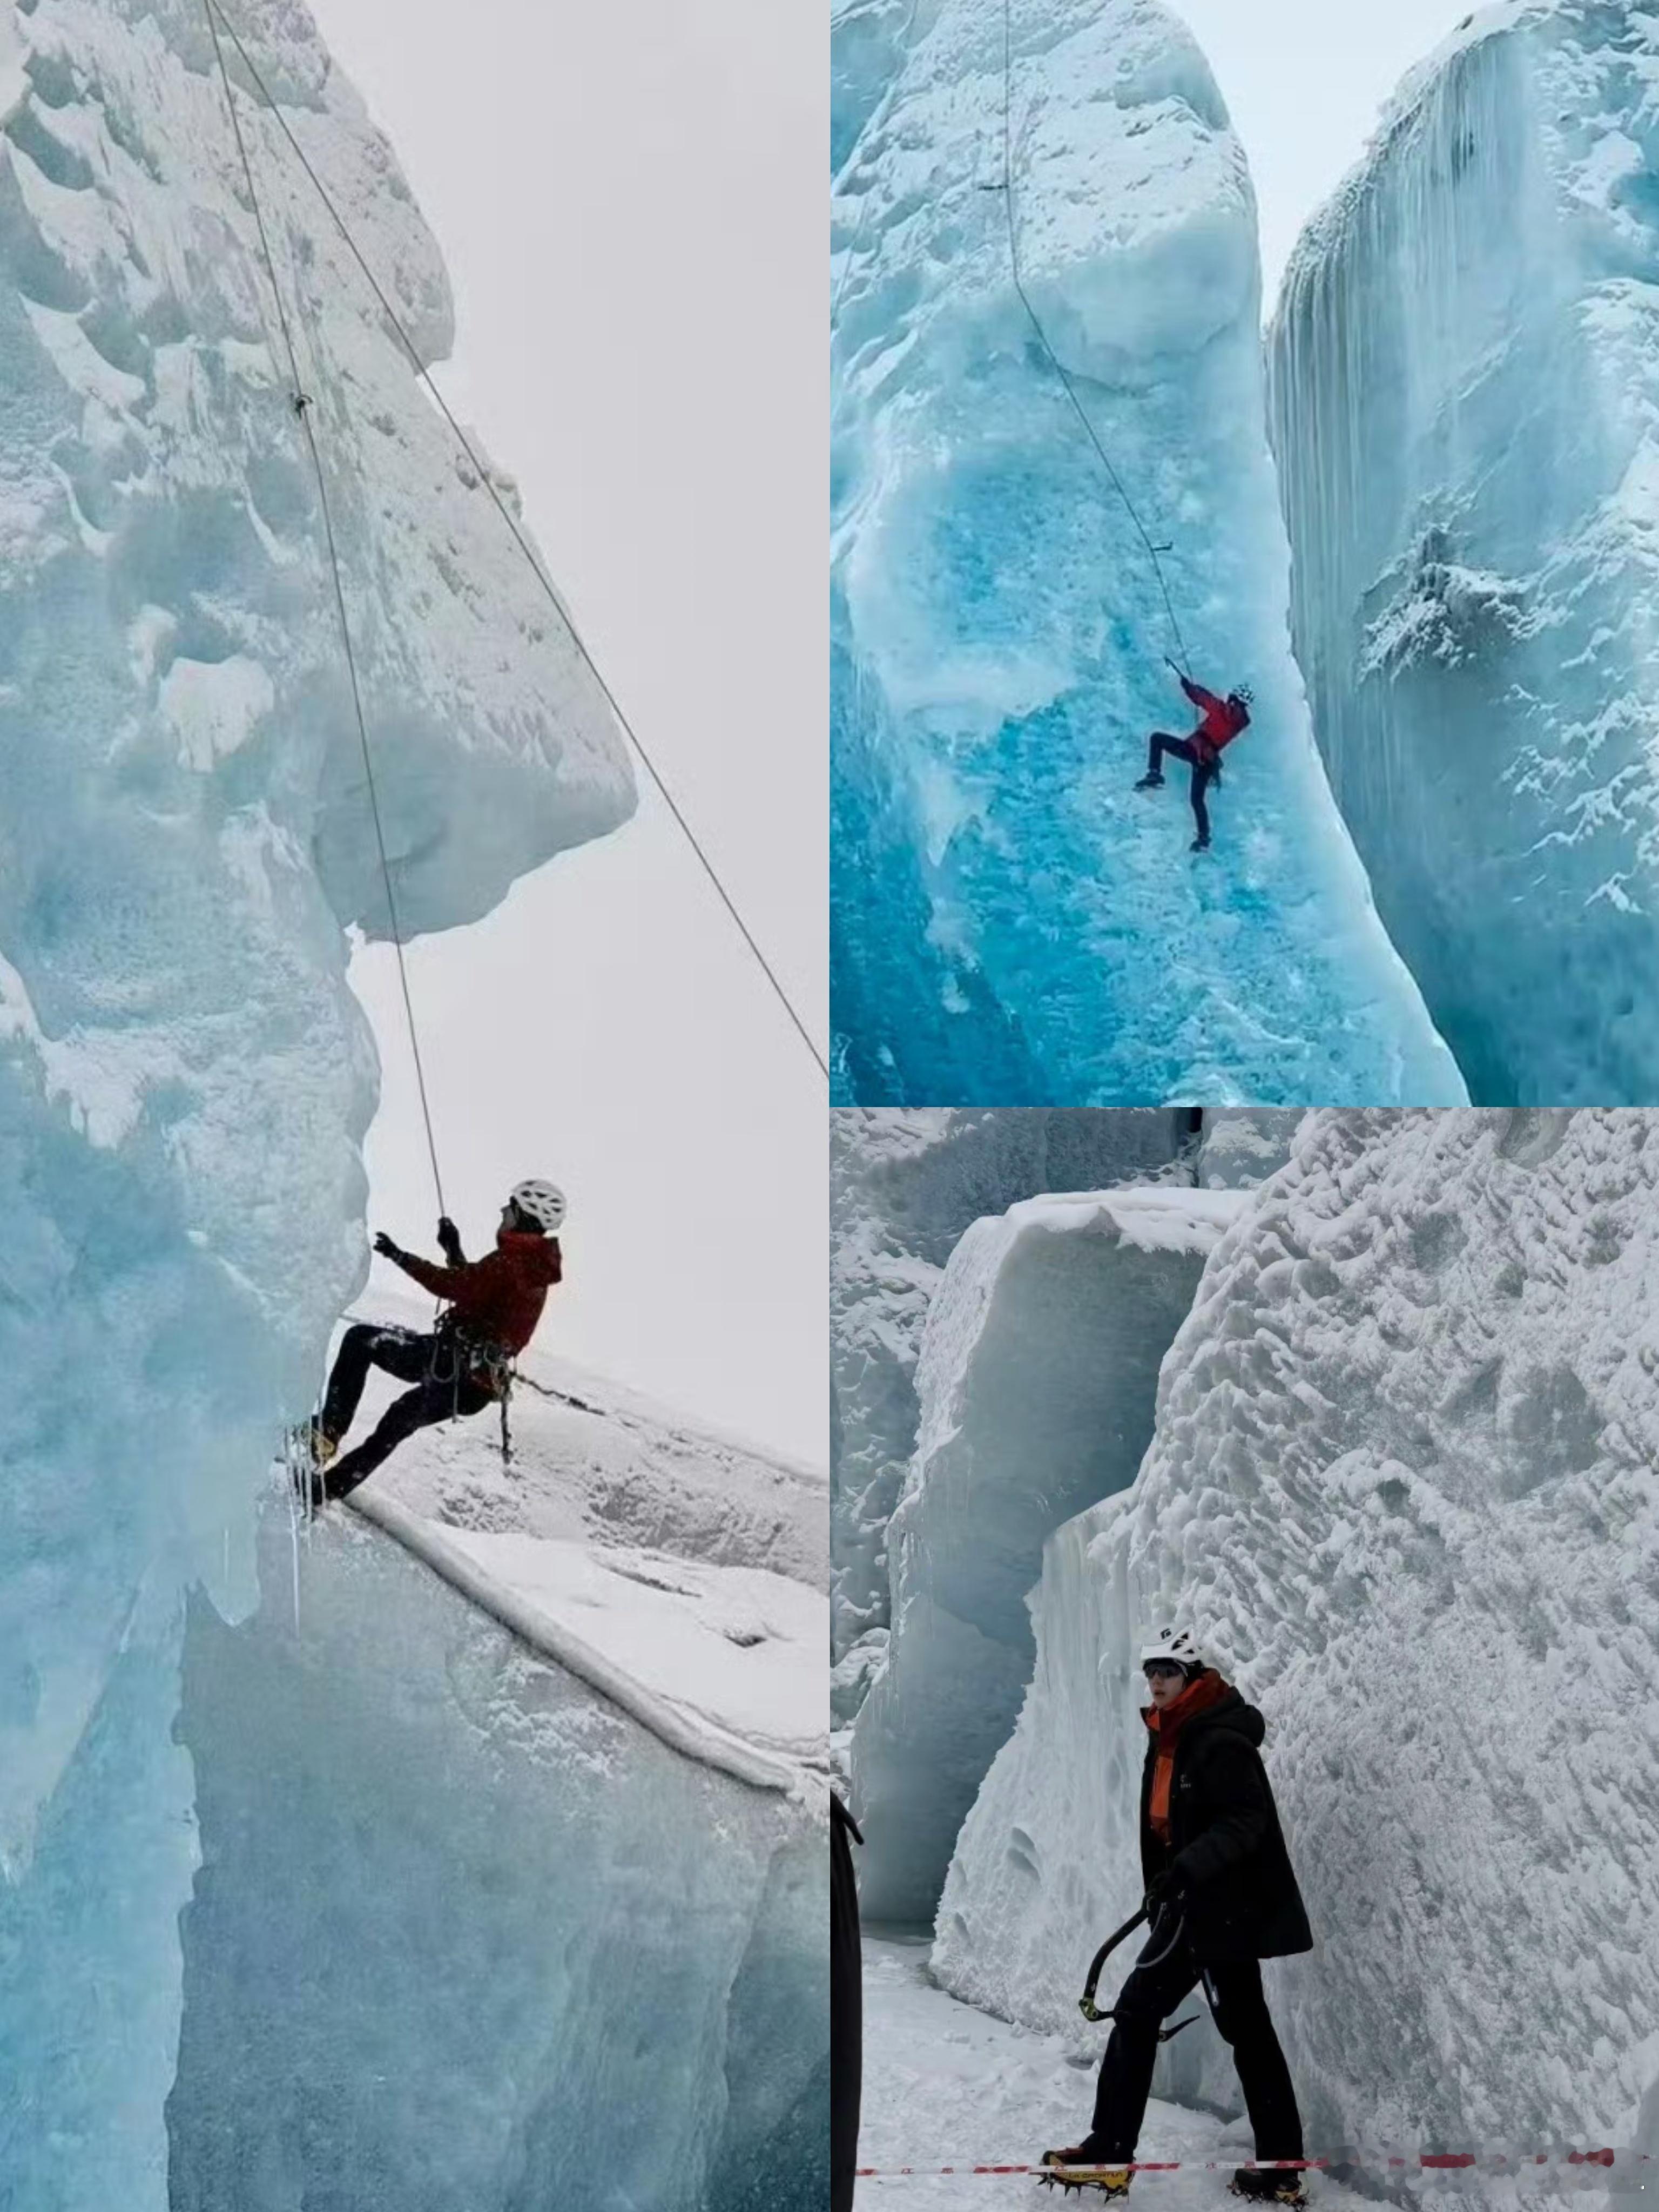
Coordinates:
1018 556
185 1076
1464 368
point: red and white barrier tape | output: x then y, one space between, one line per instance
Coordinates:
1428 2160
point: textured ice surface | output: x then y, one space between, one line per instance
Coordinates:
1012 922
1403 1486
1465 390
904 1187
184 1073
1243 1145
1037 1381
694 1563
464 1935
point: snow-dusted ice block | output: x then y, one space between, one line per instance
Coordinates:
1012 922
1404 1489
904 1187
184 1075
438 1877
1037 1381
1464 372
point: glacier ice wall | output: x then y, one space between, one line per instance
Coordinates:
904 1187
1037 1382
1464 380
1012 922
1403 1485
184 842
1243 1145
435 1872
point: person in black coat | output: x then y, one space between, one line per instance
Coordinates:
846 2008
1222 1896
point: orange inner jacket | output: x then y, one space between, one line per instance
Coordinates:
1197 1698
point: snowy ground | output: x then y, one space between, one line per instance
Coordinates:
695 1563
945 2085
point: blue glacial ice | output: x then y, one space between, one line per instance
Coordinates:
438 1874
1464 372
904 1187
1012 922
185 1076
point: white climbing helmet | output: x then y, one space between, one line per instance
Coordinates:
1173 1647
541 1203
1243 692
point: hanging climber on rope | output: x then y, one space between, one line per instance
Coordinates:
1223 721
458 1368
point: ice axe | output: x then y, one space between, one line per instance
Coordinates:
1086 2004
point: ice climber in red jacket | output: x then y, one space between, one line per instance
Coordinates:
463 1365
1223 721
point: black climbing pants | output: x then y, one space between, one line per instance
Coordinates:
1204 772
443 1387
1240 2010
846 2010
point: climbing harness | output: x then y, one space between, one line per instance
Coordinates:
458 1356
217 17
1007 188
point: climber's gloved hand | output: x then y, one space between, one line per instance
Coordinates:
385 1247
449 1238
1168 1887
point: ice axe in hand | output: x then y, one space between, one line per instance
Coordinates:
1086 2004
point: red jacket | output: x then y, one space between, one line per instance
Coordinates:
499 1299
1223 718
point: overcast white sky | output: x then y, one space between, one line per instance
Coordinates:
1303 80
631 204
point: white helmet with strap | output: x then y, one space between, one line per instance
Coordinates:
1173 1647
541 1203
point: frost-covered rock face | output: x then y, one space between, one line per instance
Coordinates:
1037 1382
1012 921
904 1187
184 841
1404 1488
1465 386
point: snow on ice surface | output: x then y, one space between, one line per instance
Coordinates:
744 1649
1012 921
1403 1487
1037 1380
185 1076
904 1187
465 1935
1464 380
945 2085
694 1565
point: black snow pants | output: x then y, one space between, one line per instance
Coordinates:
443 1387
1204 772
1236 1999
846 2010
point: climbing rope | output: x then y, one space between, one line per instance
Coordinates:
301 404
218 16
1059 367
